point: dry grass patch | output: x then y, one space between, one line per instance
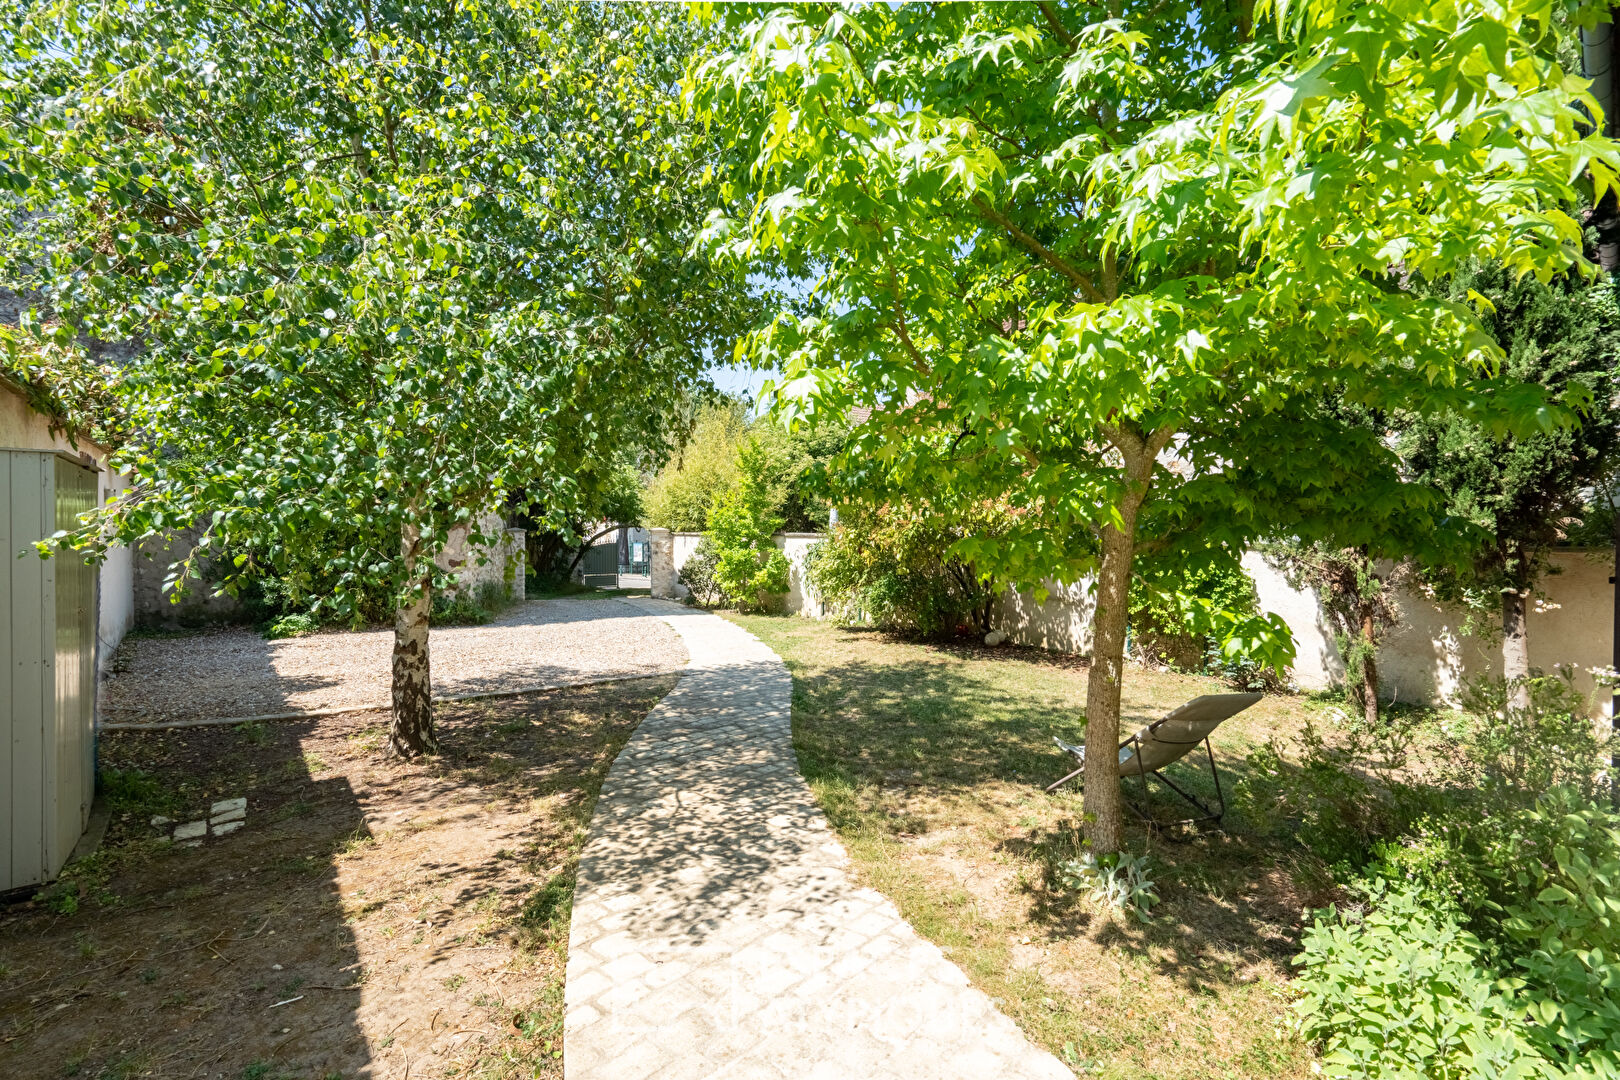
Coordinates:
930 762
371 918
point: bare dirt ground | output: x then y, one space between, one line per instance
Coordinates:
235 672
371 919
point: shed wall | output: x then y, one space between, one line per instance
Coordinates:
27 647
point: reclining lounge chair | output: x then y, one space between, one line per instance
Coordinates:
1166 741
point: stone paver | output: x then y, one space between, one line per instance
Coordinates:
716 933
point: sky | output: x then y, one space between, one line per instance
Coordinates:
735 379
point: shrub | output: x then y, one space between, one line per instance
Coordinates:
1158 632
892 566
294 625
697 574
1403 991
1516 753
1480 927
458 609
1345 794
749 569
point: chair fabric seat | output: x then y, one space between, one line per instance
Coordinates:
1166 741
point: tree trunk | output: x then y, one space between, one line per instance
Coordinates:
412 731
1515 649
1105 822
1369 670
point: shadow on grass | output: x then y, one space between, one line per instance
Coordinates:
958 721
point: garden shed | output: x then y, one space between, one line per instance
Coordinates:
48 624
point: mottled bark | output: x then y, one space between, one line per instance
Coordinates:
412 730
1515 648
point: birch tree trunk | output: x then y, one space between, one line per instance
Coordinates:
412 730
1515 648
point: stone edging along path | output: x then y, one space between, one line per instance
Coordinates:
716 933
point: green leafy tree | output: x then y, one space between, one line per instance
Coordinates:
700 471
749 568
682 495
387 264
1525 493
1061 249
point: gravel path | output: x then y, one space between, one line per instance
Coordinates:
234 672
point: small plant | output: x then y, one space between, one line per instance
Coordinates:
1117 882
252 732
295 625
460 609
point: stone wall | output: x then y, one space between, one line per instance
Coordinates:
500 565
671 550
155 607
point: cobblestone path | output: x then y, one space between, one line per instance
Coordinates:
716 933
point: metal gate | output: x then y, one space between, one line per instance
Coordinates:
600 567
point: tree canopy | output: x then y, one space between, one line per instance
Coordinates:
1110 262
1523 495
386 264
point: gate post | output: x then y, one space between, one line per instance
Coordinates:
661 564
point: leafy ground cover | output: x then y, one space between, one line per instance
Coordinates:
411 918
930 762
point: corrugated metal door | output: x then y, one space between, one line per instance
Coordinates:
27 660
75 669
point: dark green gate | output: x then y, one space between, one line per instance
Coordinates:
600 567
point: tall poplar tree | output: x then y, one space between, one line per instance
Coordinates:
388 264
1107 260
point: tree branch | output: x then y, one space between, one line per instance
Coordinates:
1081 280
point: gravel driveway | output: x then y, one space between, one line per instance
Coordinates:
231 672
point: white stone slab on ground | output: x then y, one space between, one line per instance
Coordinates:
716 932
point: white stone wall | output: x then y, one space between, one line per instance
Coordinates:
115 594
1428 657
1060 623
499 564
1425 659
671 550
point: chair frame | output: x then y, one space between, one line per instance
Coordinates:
1207 814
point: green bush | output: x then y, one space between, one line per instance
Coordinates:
697 574
749 569
294 625
471 607
1516 753
891 566
1404 992
1341 792
1492 944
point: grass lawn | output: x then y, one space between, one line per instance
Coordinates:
371 917
930 762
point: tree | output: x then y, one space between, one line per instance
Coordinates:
1359 601
748 566
1059 249
388 265
700 470
1524 494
